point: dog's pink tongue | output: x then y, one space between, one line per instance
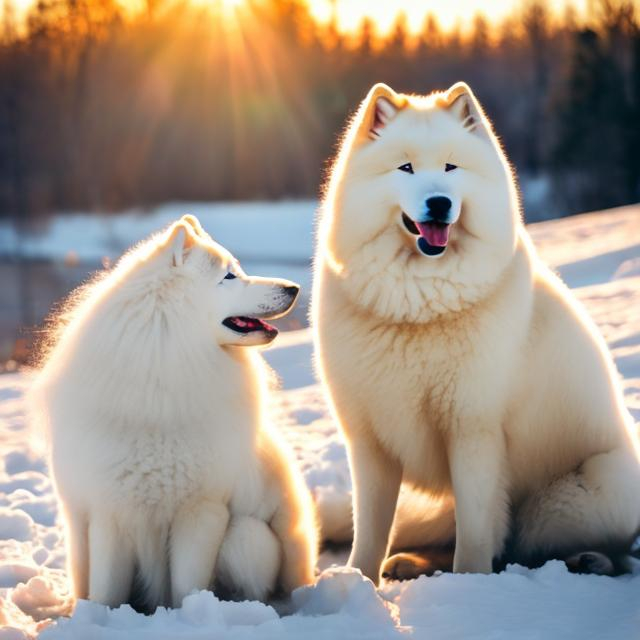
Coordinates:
435 233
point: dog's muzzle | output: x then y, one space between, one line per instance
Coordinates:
432 229
432 237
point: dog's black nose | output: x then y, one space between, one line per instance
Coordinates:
438 207
292 290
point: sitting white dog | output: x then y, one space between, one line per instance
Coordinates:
455 360
169 476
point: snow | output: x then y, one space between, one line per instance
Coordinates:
261 234
546 603
255 230
597 254
15 523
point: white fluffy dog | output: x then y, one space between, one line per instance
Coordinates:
169 476
455 360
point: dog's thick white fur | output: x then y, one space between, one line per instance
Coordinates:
466 369
170 477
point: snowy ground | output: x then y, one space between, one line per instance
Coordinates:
598 255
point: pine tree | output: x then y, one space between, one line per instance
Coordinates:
589 156
536 24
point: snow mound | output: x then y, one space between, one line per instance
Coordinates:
201 616
343 590
15 524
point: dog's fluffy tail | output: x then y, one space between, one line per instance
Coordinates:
421 520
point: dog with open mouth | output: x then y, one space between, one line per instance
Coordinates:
170 476
456 362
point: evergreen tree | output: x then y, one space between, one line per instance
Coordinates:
589 156
535 22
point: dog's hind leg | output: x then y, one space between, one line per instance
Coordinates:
596 508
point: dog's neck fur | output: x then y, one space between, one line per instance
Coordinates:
400 290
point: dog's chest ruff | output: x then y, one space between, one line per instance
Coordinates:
410 394
160 470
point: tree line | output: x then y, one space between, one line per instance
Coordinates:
103 109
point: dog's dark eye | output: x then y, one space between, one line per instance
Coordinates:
230 276
450 167
407 167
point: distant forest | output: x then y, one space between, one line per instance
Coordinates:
102 110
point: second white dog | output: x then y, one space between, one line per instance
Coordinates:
456 362
169 476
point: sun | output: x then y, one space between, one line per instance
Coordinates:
21 7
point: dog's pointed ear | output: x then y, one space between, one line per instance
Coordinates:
179 241
463 105
190 219
377 110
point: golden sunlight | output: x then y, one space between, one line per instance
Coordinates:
19 6
348 14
